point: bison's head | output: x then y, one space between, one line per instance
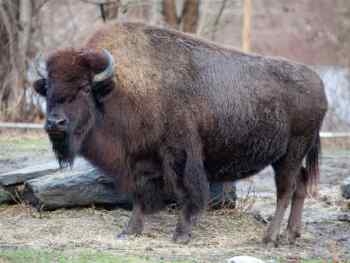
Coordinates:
73 82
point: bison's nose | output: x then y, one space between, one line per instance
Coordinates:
56 124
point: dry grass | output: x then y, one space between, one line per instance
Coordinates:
19 149
22 134
220 234
91 228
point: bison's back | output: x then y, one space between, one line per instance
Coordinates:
258 106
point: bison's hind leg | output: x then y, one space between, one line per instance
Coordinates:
294 222
285 184
188 178
289 187
194 200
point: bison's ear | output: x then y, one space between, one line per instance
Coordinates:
39 65
40 87
102 68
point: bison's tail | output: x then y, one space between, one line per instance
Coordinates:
312 167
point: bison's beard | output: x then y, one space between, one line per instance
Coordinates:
63 149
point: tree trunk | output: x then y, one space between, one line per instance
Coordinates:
16 30
187 21
247 13
24 35
110 10
190 16
8 50
25 20
169 13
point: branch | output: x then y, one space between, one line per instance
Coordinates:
217 19
98 2
37 8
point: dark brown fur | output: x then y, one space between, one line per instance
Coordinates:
181 111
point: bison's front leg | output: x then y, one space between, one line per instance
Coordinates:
136 222
148 196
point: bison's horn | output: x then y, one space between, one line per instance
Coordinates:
109 71
40 66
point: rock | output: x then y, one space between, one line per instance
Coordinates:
81 186
260 218
21 175
244 259
345 188
344 217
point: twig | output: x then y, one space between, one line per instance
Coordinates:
37 8
98 2
217 19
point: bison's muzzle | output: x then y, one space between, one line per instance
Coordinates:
56 125
59 135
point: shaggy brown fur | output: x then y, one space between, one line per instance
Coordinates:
181 111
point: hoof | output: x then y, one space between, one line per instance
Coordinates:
122 236
292 236
125 234
270 242
183 238
195 220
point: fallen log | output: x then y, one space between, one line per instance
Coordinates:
21 175
77 187
71 188
46 187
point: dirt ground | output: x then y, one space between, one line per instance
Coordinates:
219 235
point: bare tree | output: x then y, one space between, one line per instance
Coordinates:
217 19
187 21
247 13
190 16
15 20
109 9
169 13
16 29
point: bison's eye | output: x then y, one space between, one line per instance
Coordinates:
60 100
86 89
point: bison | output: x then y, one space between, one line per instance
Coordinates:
166 111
